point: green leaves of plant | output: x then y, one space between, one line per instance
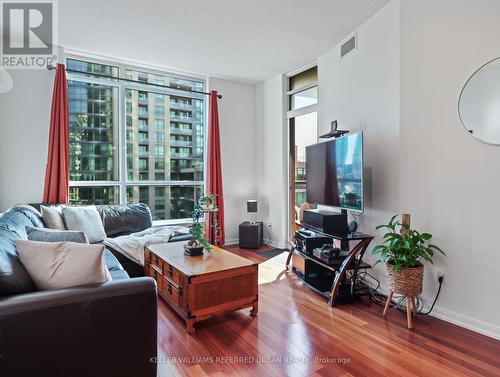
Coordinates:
403 250
197 229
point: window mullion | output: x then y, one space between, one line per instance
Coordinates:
122 154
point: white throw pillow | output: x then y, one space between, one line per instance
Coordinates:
52 217
56 265
85 219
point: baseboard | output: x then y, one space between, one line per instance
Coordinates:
231 242
469 323
276 245
485 328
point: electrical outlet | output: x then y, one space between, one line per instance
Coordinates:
440 275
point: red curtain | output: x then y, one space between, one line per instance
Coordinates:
214 174
57 168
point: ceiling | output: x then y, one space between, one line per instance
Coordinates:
244 40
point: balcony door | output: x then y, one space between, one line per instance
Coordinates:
303 131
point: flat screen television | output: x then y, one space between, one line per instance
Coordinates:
334 172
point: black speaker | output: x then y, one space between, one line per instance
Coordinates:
251 235
329 222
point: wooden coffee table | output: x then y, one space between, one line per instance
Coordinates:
202 286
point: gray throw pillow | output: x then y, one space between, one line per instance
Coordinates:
52 217
85 219
55 235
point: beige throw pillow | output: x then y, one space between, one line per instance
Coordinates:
85 219
52 217
56 265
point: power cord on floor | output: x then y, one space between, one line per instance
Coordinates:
269 236
399 302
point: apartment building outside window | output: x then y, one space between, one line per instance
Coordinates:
162 132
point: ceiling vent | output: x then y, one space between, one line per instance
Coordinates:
349 46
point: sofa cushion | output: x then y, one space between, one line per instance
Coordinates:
57 265
115 268
14 278
125 219
180 237
55 235
133 269
85 219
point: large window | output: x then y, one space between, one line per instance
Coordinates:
131 142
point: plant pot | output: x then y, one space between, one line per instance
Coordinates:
193 251
406 281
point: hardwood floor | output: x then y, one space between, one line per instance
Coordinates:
297 334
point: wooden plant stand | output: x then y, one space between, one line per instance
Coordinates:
411 308
409 283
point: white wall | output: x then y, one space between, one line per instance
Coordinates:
272 146
361 91
402 87
238 146
24 134
448 179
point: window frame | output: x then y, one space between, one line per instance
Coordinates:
291 115
122 183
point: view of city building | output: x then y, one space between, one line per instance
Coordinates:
162 159
306 133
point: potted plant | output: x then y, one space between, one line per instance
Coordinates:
198 243
207 202
403 251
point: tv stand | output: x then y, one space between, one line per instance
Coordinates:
335 282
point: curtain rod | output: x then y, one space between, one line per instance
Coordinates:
51 67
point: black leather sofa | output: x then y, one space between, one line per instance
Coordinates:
107 329
121 220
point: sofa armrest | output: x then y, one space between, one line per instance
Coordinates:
95 330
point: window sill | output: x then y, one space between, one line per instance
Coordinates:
185 222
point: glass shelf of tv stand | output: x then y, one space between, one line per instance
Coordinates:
357 236
333 267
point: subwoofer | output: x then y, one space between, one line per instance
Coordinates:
251 235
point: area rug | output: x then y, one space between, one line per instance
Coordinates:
268 254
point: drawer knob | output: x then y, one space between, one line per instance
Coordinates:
169 288
170 270
156 259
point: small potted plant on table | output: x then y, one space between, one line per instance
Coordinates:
198 243
403 252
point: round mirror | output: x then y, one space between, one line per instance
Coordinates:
479 104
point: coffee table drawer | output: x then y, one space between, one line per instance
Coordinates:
171 273
156 261
171 291
158 278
